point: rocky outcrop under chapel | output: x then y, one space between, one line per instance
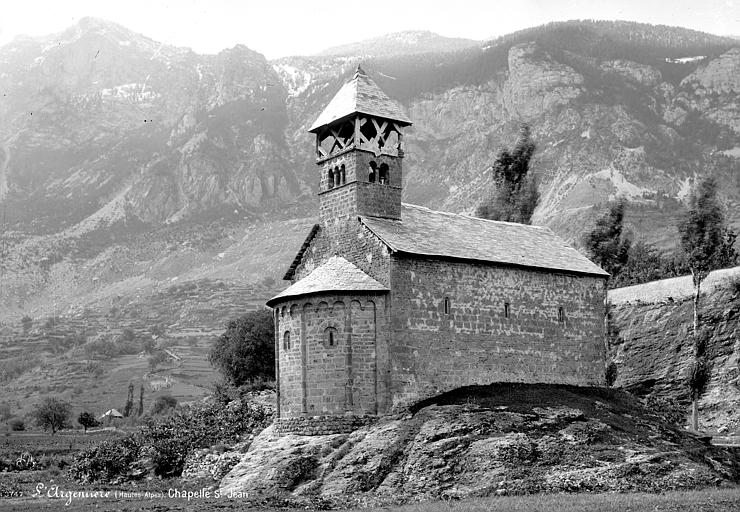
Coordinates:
488 440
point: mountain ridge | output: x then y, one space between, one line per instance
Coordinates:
127 168
407 42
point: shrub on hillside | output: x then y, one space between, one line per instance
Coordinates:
734 284
669 410
16 366
107 348
162 444
163 403
157 358
26 323
224 392
16 424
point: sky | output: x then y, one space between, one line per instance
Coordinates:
278 28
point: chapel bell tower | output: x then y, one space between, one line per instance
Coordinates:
359 152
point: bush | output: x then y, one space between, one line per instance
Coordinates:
147 344
734 284
224 392
108 460
157 358
163 404
701 341
107 349
699 375
158 330
669 410
245 351
162 444
17 425
611 373
26 323
16 366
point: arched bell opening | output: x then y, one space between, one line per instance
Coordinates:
383 174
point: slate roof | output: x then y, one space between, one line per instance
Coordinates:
298 257
335 275
427 232
360 95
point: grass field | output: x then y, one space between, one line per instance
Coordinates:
164 496
49 487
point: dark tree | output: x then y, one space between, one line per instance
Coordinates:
246 350
141 401
515 195
606 243
644 263
52 413
26 323
128 408
707 245
87 420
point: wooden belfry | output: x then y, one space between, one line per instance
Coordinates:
360 116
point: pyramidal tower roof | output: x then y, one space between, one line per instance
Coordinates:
361 95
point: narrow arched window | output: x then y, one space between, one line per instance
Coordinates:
343 173
286 340
447 305
337 177
561 314
330 337
507 310
384 174
372 173
330 178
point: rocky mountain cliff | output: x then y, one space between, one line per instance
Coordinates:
101 124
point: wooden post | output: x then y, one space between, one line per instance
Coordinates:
356 140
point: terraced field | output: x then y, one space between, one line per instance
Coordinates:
55 358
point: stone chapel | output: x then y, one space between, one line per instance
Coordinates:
391 303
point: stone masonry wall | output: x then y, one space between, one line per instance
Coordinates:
351 240
357 165
432 352
318 378
357 196
321 425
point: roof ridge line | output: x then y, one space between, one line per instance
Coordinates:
476 218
